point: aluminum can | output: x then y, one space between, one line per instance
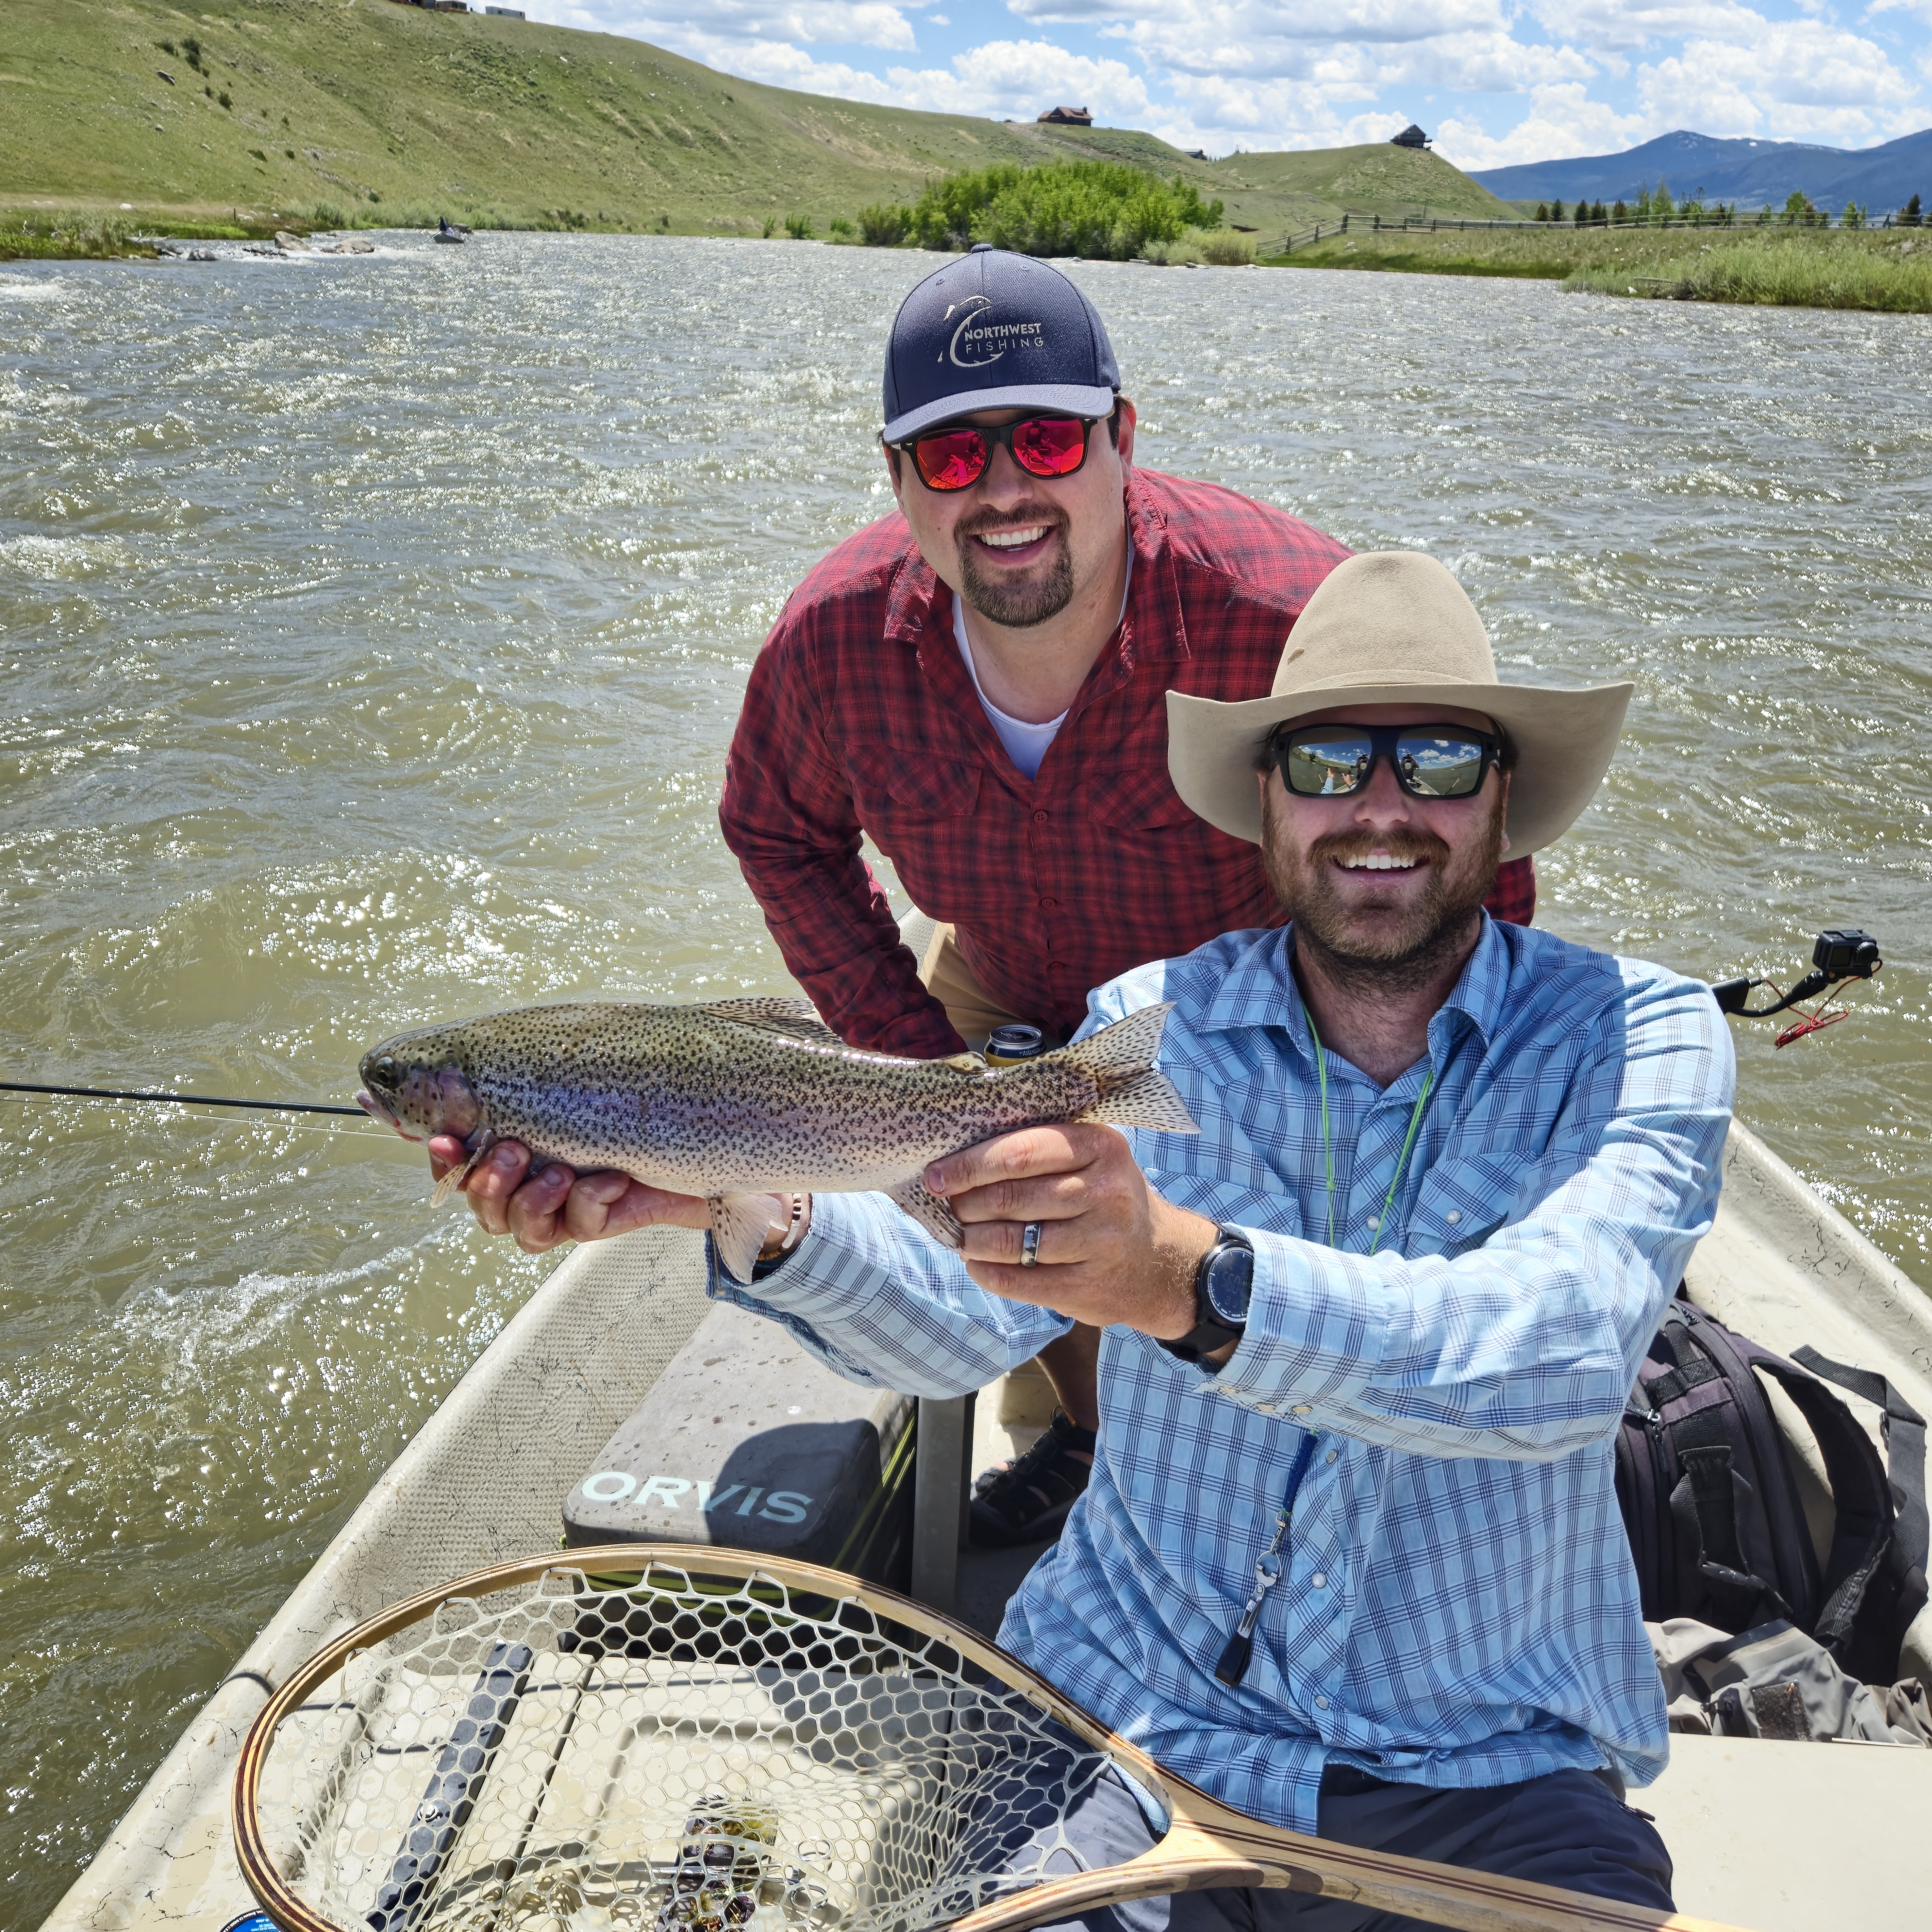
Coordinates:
1008 1046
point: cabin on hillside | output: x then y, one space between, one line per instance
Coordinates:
1410 136
1068 117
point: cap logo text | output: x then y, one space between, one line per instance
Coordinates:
976 344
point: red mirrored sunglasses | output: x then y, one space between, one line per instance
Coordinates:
955 458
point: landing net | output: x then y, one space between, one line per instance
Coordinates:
677 1752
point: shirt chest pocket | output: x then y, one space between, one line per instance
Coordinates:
901 794
1460 1204
1139 796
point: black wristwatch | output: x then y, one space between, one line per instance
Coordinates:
1223 1283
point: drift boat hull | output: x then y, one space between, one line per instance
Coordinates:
482 1482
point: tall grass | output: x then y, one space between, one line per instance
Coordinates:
66 237
1794 265
1897 282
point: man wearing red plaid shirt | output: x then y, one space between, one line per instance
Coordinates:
978 683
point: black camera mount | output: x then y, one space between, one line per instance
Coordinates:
1840 953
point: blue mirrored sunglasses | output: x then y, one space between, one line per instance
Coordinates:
1430 761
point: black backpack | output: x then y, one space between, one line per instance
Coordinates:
1713 1513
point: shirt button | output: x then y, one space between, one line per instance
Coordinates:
1321 1703
1049 904
1320 1580
1039 818
1454 1215
1329 1457
1375 1221
1300 1408
1266 1408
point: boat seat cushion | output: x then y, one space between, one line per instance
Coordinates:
745 1441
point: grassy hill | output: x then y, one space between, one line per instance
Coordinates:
1323 184
339 111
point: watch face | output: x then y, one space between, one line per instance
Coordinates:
1230 1280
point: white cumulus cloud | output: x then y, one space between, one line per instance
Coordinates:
1562 121
1801 79
1598 75
681 26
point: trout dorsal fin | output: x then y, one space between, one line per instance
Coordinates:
796 1018
1119 1059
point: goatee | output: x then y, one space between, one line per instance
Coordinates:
1382 956
1016 603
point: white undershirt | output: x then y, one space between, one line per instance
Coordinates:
1026 744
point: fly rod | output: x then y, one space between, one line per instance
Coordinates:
180 1099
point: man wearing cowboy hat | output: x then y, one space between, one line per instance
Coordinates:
1351 1557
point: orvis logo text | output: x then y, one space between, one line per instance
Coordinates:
976 342
619 1486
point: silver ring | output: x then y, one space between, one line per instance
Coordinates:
1029 1244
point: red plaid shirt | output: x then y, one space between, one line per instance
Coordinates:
860 717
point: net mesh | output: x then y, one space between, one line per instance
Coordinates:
675 1753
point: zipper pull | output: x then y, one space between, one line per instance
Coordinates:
1232 1664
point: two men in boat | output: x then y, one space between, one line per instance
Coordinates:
1350 1557
977 683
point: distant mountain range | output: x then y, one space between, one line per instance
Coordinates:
1747 173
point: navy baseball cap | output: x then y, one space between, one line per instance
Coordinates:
995 330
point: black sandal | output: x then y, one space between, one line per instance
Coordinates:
1026 1500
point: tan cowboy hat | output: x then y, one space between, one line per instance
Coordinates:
1393 627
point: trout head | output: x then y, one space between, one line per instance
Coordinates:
415 1084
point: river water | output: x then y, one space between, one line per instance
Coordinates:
372 630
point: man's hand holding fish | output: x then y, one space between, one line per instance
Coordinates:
556 1203
1115 1251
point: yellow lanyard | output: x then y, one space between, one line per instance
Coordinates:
1328 1146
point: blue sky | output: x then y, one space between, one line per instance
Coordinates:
1494 81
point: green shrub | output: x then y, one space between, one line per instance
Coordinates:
1102 208
884 227
799 227
222 97
771 226
328 215
1543 211
841 229
1228 250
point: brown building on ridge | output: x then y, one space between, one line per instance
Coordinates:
1410 136
1068 117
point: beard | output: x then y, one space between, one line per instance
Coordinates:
1384 949
1016 603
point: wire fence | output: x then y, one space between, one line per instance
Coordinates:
1430 224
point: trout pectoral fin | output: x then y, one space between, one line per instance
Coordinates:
739 1223
928 1210
478 1144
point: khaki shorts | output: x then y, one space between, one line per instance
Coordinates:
973 1012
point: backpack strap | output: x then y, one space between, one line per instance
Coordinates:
1721 1446
1902 1430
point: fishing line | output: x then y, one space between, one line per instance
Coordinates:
180 1099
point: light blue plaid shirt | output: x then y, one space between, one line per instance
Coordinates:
1458 1605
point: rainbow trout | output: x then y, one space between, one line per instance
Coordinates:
740 1098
